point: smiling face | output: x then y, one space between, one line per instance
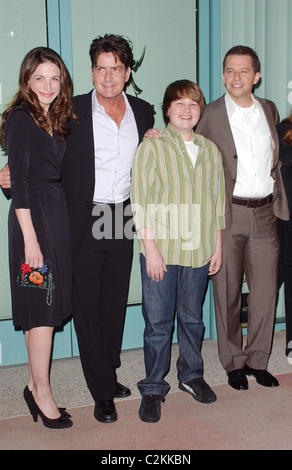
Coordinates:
45 83
239 78
183 115
109 76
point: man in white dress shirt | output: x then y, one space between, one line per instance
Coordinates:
96 181
243 127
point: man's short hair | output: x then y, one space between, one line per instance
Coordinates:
243 50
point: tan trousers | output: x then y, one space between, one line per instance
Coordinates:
251 247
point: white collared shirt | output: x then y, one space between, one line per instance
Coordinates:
253 144
114 150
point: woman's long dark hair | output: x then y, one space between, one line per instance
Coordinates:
61 109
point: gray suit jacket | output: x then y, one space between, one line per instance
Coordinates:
214 125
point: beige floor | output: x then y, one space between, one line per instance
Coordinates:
259 418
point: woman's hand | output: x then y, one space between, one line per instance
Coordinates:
32 253
5 177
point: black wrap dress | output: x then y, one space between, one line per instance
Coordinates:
39 297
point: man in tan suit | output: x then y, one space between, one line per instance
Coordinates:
243 127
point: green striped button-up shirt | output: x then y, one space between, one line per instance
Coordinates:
183 204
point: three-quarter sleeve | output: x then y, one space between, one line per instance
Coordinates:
17 136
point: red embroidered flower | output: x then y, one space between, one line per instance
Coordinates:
25 268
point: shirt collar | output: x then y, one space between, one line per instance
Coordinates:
170 133
231 106
174 134
98 107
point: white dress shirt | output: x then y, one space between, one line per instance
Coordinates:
114 150
253 144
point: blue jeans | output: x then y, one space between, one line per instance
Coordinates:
181 290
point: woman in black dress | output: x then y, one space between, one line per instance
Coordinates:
33 132
285 228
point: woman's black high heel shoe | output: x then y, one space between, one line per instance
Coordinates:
29 397
59 423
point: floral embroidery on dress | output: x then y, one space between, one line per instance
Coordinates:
37 277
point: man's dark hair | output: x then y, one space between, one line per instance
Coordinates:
243 50
118 45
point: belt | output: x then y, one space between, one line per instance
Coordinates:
111 205
253 202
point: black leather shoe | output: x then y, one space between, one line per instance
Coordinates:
105 411
150 408
237 379
122 391
263 377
